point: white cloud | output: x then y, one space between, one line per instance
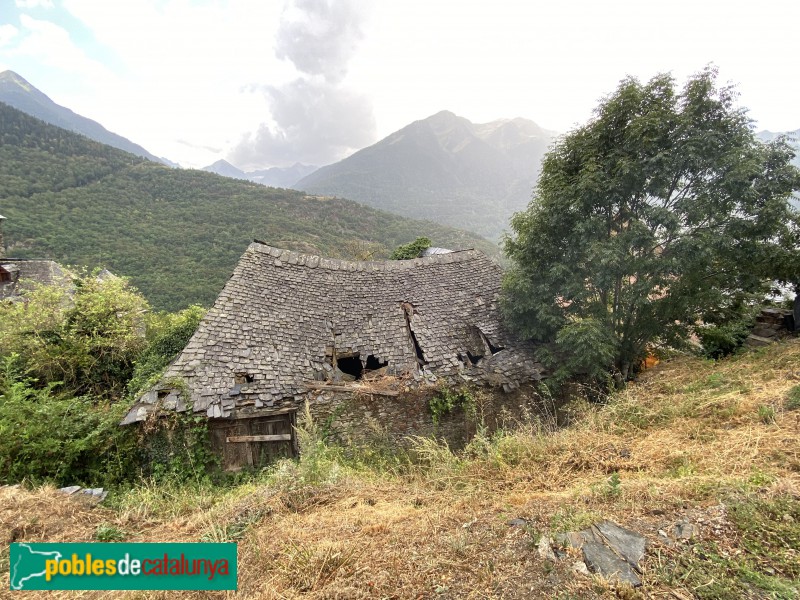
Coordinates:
7 33
51 45
198 71
34 3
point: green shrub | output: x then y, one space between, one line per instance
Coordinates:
411 250
448 399
793 399
725 337
86 341
167 335
47 436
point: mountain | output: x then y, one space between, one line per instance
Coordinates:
20 94
444 168
283 177
176 233
226 169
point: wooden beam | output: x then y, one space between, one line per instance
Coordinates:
280 437
350 388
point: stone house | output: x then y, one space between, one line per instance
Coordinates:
21 274
354 340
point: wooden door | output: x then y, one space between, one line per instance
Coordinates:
254 442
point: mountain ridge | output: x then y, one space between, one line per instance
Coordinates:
282 177
443 168
19 93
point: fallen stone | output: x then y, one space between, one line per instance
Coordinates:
683 530
545 550
609 550
628 543
756 341
580 567
764 331
602 560
517 523
93 495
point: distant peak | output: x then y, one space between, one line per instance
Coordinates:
12 77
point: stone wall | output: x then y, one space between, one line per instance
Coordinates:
771 325
359 418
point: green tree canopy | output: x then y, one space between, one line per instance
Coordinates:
411 250
663 208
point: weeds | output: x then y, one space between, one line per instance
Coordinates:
793 398
766 414
106 532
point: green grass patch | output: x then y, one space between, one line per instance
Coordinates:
764 563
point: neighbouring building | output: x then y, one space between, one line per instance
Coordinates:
357 341
18 275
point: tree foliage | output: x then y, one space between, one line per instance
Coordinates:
663 208
85 339
411 250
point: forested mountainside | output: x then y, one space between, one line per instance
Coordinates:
176 233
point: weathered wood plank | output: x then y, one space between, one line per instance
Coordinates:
350 388
280 437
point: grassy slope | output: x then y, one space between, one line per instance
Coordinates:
715 444
176 233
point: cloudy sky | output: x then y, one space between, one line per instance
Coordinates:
274 82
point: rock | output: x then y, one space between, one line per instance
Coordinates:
609 550
764 331
628 543
580 567
602 560
94 495
756 341
517 523
545 550
683 530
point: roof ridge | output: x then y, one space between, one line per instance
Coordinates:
294 257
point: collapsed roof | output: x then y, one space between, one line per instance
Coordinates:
286 319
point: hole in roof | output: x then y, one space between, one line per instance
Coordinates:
373 364
350 366
408 312
474 358
241 378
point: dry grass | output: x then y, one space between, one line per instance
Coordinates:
675 445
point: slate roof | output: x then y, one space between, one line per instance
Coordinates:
24 274
272 329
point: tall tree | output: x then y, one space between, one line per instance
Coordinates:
662 208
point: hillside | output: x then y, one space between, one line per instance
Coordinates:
20 94
699 457
443 168
176 233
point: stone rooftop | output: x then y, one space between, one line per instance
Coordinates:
283 315
18 275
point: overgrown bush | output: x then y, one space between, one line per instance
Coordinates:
724 337
167 335
85 340
56 437
177 447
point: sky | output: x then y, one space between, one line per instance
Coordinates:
265 83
